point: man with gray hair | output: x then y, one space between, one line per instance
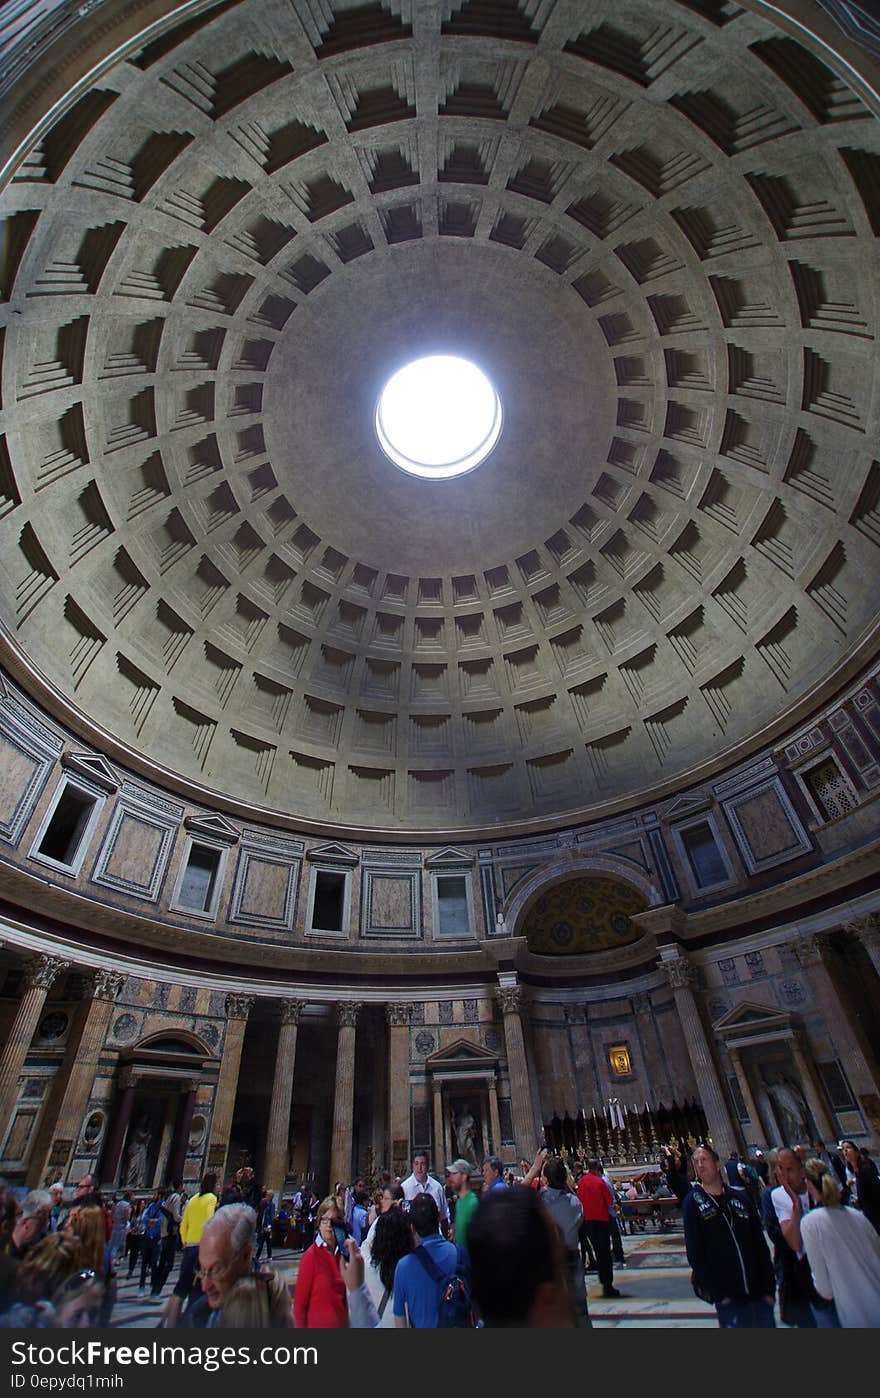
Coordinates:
226 1253
32 1222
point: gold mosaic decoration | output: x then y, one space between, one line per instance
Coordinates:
581 915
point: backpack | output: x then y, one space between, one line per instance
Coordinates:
454 1307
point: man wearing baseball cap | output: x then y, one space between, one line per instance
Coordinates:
458 1178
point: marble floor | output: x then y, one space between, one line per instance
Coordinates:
655 1286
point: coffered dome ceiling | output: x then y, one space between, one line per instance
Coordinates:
653 224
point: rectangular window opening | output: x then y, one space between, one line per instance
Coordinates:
830 789
199 878
704 856
63 835
452 905
328 908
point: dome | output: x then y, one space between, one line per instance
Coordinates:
652 226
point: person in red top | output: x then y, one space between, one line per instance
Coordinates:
319 1301
596 1202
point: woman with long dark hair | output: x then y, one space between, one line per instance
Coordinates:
864 1182
390 1239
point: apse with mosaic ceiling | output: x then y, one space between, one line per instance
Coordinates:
583 915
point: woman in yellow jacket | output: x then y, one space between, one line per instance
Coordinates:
196 1214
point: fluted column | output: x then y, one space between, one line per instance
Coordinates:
55 1144
681 975
40 974
510 997
278 1134
807 1074
182 1126
343 1101
397 1017
439 1128
494 1118
238 1007
867 929
759 1134
855 1053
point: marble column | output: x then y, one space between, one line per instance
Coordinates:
758 1132
682 975
109 1167
867 929
494 1118
76 1078
811 1090
855 1053
238 1007
40 973
439 1135
278 1134
397 1017
510 997
343 1101
182 1124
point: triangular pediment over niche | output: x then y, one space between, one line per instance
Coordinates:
449 858
461 1053
215 827
333 853
93 767
633 853
748 1016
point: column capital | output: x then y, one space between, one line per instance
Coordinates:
680 973
239 1006
808 947
42 971
510 998
106 985
866 928
347 1012
290 1011
397 1014
574 1014
641 1002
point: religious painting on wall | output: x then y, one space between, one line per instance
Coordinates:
619 1059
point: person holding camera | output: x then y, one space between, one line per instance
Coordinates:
319 1301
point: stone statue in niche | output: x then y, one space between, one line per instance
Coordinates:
792 1110
466 1134
134 1169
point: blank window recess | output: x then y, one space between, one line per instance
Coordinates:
199 878
452 904
328 909
63 835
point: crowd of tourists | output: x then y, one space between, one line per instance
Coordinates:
794 1234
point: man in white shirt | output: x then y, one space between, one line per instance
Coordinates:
420 1182
800 1304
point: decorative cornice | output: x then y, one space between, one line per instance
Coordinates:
107 985
680 973
866 928
41 971
397 1014
510 998
808 948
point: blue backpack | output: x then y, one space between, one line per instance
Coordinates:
454 1307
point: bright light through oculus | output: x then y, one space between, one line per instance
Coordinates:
438 417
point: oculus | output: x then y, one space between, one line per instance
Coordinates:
438 417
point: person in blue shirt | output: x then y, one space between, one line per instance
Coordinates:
493 1177
152 1219
416 1292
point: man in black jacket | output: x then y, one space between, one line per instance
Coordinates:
726 1248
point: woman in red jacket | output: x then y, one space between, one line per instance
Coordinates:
319 1301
